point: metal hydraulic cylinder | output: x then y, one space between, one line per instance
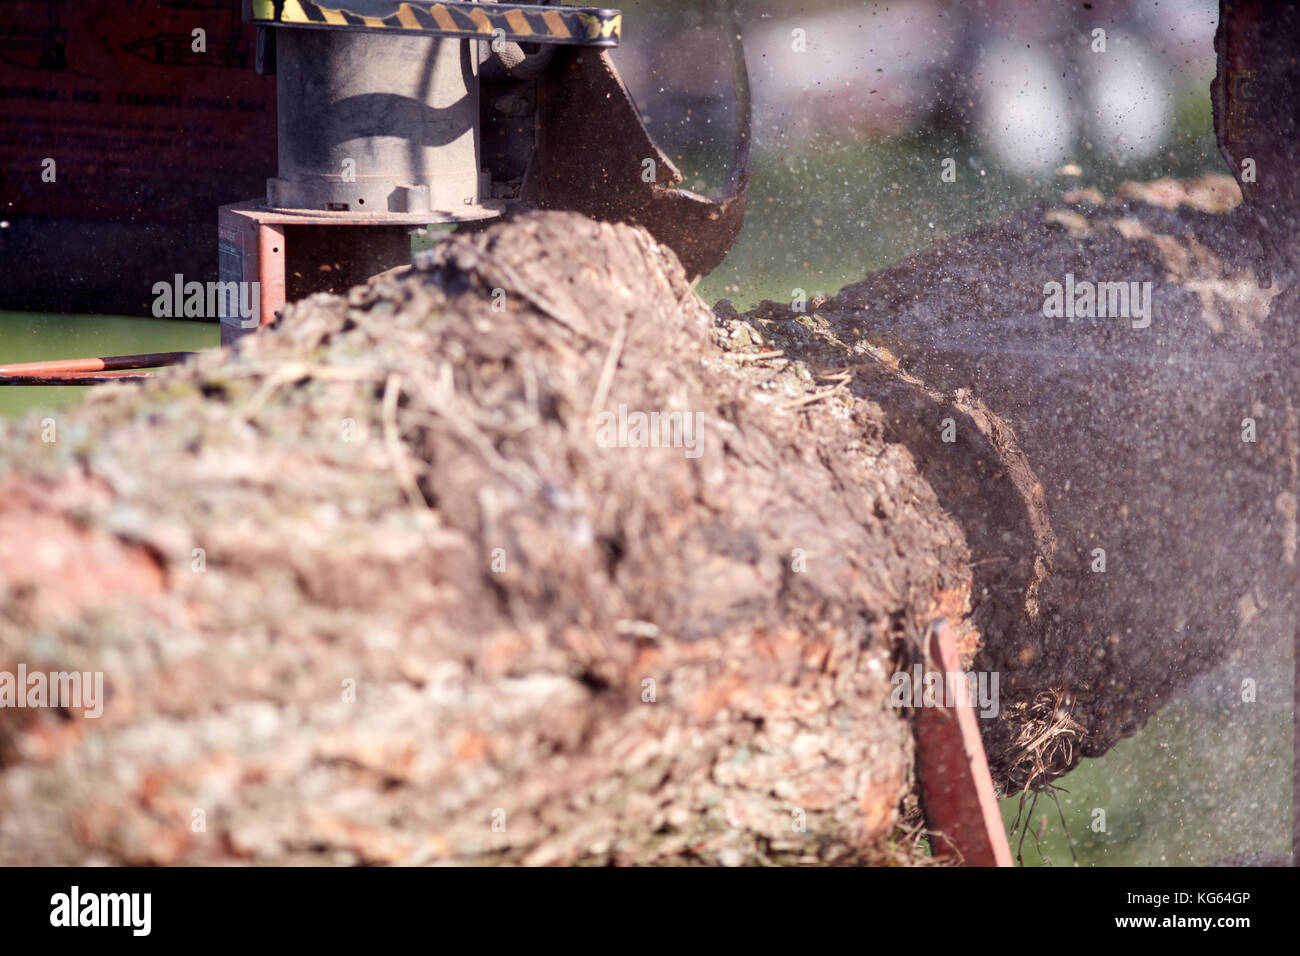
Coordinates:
376 124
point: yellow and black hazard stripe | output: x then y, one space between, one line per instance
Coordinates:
585 26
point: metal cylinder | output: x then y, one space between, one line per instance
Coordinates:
376 124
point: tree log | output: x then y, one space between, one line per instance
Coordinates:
1134 523
383 584
376 587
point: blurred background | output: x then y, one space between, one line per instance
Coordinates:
856 106
850 133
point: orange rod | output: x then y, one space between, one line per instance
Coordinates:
107 363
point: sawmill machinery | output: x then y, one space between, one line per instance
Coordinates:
394 115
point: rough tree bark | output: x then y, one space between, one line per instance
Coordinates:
405 493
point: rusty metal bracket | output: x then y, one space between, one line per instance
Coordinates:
293 253
957 795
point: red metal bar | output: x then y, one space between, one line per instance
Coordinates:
956 787
271 257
